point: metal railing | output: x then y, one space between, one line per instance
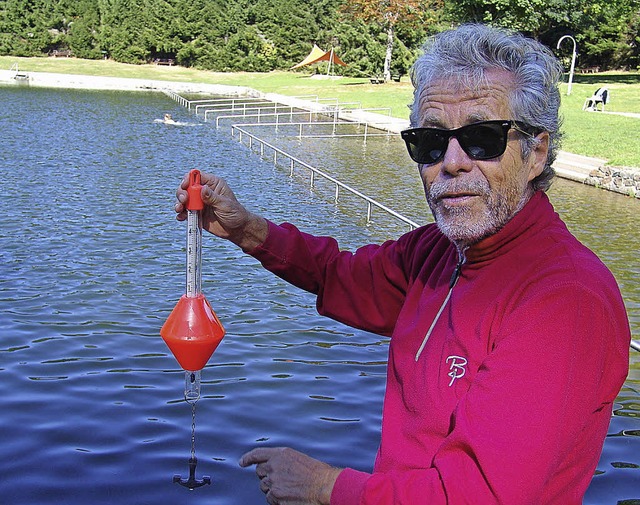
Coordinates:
314 172
175 96
235 104
337 112
334 133
248 111
223 102
277 115
293 161
327 111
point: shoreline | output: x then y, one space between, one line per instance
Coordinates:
582 169
102 83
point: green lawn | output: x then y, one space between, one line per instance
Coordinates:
608 136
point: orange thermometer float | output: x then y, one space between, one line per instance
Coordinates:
193 331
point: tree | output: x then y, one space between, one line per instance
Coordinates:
605 30
608 37
522 15
122 24
24 28
373 36
387 13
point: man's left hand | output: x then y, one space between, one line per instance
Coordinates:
288 477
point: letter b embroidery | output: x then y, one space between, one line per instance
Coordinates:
457 366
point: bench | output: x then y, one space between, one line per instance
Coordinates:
164 61
590 70
60 53
377 80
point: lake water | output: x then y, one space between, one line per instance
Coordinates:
92 262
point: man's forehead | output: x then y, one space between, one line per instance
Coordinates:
442 99
438 112
431 118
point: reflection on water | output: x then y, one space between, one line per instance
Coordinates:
92 263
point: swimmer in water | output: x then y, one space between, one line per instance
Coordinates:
168 119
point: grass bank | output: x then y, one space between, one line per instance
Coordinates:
609 136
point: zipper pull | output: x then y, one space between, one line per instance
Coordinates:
455 275
456 271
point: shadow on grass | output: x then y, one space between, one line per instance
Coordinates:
598 79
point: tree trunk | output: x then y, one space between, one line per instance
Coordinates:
387 57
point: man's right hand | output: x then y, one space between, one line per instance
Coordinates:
223 215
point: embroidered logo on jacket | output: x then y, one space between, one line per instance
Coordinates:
457 366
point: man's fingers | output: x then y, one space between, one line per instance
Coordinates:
257 456
252 457
181 198
208 195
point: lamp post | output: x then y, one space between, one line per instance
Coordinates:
573 59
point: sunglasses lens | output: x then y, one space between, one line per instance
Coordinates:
483 141
427 146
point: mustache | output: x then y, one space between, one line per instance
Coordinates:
438 189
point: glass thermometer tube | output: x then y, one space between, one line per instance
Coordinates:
194 253
192 379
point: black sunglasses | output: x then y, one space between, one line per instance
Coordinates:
481 141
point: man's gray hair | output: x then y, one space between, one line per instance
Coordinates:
462 56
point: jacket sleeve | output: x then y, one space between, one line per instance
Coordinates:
364 289
532 423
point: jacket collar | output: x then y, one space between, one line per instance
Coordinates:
537 214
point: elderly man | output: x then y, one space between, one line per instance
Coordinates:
509 338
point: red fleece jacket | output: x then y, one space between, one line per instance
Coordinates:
511 398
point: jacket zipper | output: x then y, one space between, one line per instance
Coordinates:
452 283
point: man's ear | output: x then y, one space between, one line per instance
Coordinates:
538 157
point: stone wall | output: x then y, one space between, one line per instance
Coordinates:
619 179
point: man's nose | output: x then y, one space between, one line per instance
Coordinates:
455 160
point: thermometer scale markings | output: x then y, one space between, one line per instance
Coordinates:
194 254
